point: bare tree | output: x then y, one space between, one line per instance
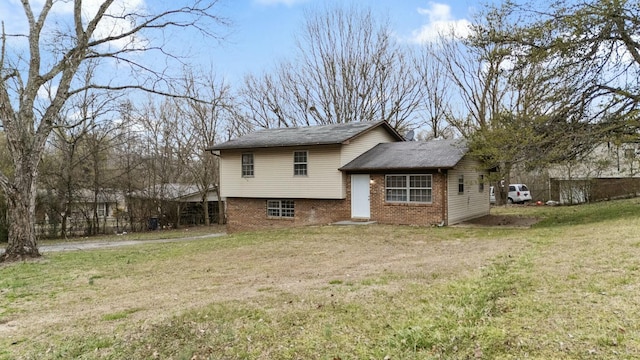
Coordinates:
129 152
475 71
204 124
70 147
552 107
160 122
347 68
436 100
109 33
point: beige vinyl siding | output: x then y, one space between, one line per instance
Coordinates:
359 145
273 174
363 143
472 203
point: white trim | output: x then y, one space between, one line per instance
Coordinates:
407 189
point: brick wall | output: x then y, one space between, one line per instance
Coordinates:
251 214
402 213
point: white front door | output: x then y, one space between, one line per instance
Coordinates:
360 196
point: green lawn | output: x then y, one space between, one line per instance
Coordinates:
567 288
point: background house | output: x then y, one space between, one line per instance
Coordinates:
109 211
609 171
328 173
86 212
172 205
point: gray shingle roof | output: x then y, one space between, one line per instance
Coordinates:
170 191
408 155
298 136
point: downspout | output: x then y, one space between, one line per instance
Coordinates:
445 203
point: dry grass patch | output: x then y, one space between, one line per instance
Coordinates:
565 288
586 295
120 291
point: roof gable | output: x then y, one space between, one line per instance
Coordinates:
305 136
408 155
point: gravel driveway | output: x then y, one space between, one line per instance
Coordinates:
91 245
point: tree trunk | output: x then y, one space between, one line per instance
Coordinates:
178 215
21 207
205 208
63 225
221 213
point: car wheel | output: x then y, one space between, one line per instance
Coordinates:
510 201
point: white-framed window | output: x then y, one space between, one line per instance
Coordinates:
300 163
281 208
247 165
481 183
408 188
101 210
460 184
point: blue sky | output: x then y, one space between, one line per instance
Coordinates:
262 31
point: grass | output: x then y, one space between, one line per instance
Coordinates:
565 288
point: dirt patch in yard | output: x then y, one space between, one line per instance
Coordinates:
502 221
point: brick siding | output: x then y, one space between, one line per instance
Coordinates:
251 213
404 213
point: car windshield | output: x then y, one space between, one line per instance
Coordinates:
524 188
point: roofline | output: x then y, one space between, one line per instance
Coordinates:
380 123
212 150
375 125
397 169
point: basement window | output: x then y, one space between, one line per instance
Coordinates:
280 208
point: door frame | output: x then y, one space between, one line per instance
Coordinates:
360 196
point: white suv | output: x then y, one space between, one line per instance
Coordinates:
518 193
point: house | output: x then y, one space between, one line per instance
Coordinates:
172 204
87 212
108 211
354 171
609 171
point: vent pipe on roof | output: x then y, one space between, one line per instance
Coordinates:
410 135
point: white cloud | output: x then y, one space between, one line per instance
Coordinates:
47 91
440 22
115 24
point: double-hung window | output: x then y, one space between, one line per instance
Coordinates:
408 188
102 210
481 183
300 163
461 184
247 165
281 208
